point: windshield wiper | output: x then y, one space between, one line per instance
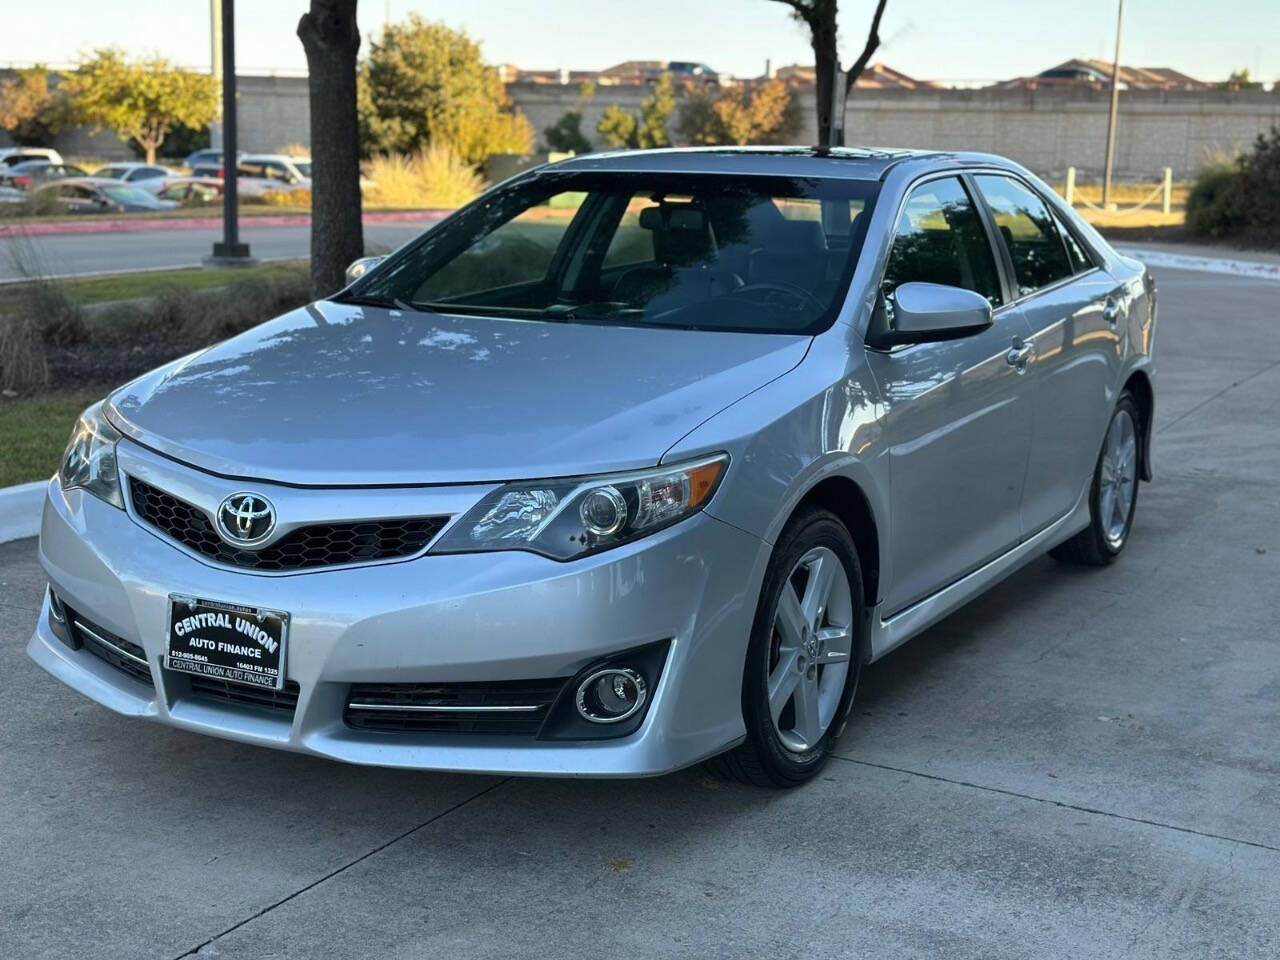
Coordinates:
388 303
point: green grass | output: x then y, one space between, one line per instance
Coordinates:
34 432
129 286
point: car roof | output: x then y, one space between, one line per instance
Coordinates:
274 156
844 163
84 182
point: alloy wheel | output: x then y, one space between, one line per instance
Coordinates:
1118 478
811 646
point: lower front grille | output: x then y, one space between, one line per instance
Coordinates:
508 708
241 695
124 655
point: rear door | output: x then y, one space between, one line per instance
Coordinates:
957 417
1073 311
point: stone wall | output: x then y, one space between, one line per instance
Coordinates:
1046 130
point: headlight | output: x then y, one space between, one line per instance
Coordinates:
90 460
569 518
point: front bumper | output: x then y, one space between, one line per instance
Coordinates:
434 619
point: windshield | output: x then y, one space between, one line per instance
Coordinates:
111 173
698 251
303 167
127 194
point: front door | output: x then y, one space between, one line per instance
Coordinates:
957 417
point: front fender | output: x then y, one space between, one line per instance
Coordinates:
786 438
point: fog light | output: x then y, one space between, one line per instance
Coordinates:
611 695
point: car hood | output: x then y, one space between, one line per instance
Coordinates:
334 394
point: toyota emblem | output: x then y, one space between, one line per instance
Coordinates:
246 519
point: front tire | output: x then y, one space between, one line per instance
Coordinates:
1113 497
804 657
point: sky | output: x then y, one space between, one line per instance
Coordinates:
947 40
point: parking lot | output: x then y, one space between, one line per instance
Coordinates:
1081 764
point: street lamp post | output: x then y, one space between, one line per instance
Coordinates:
230 252
1115 109
215 63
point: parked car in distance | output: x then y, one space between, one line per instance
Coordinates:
10 156
12 195
205 157
247 187
698 74
191 191
285 172
146 175
94 195
634 462
31 173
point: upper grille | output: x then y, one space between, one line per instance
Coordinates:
510 707
124 655
317 545
213 688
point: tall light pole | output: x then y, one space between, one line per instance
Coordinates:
230 252
1115 109
215 63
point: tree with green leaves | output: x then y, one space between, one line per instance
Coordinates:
623 130
31 110
426 84
139 100
762 114
819 17
565 135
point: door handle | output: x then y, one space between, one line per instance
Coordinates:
1020 354
1111 311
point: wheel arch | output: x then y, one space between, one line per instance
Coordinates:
1139 386
846 499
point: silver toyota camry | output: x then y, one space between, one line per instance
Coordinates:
632 463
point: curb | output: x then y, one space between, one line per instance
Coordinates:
1246 269
122 225
20 510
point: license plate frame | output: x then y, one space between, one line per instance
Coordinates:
219 639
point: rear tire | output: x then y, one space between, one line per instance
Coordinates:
1113 496
805 647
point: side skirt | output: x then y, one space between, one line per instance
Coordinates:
890 634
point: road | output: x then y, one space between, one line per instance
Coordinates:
105 252
1081 764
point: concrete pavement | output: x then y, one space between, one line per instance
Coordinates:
1080 764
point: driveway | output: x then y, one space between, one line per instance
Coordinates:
1081 764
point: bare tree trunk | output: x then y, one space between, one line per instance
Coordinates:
331 40
826 61
820 17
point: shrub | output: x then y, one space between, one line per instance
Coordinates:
622 130
565 135
425 84
23 366
1240 200
1215 205
766 114
433 178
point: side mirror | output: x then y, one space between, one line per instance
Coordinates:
360 267
928 312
